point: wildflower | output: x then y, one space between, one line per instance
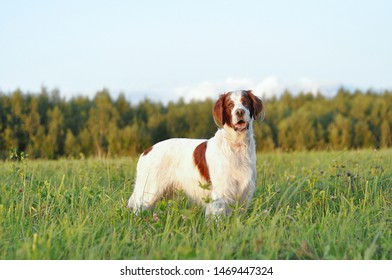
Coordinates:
155 217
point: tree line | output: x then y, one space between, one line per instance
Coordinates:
45 125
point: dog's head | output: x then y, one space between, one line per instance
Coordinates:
237 110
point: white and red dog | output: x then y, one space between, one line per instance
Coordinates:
227 161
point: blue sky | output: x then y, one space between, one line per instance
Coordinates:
194 49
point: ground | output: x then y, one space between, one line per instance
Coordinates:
308 205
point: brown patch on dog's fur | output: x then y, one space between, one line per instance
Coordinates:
222 110
253 103
199 157
147 151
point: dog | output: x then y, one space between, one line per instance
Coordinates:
218 173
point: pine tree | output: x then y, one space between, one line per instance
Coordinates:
71 145
54 138
363 137
386 135
340 133
102 116
34 130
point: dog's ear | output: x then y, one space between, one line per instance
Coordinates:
218 110
257 105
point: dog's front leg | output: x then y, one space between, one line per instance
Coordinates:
218 206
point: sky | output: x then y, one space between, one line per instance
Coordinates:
164 50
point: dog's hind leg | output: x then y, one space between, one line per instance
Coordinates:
140 201
145 194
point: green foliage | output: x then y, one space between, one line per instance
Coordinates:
46 126
307 205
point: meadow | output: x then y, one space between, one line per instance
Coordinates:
308 205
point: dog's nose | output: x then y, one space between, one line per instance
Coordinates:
240 112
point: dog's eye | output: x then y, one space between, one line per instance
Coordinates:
230 105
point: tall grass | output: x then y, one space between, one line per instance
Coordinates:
314 205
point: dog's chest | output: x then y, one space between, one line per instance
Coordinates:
240 163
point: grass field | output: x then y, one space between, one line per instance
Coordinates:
311 205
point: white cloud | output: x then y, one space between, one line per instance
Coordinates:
308 85
211 89
268 87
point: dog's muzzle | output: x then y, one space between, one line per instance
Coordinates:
241 126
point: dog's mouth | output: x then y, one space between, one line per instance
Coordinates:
241 126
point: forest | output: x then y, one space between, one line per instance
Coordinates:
46 125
